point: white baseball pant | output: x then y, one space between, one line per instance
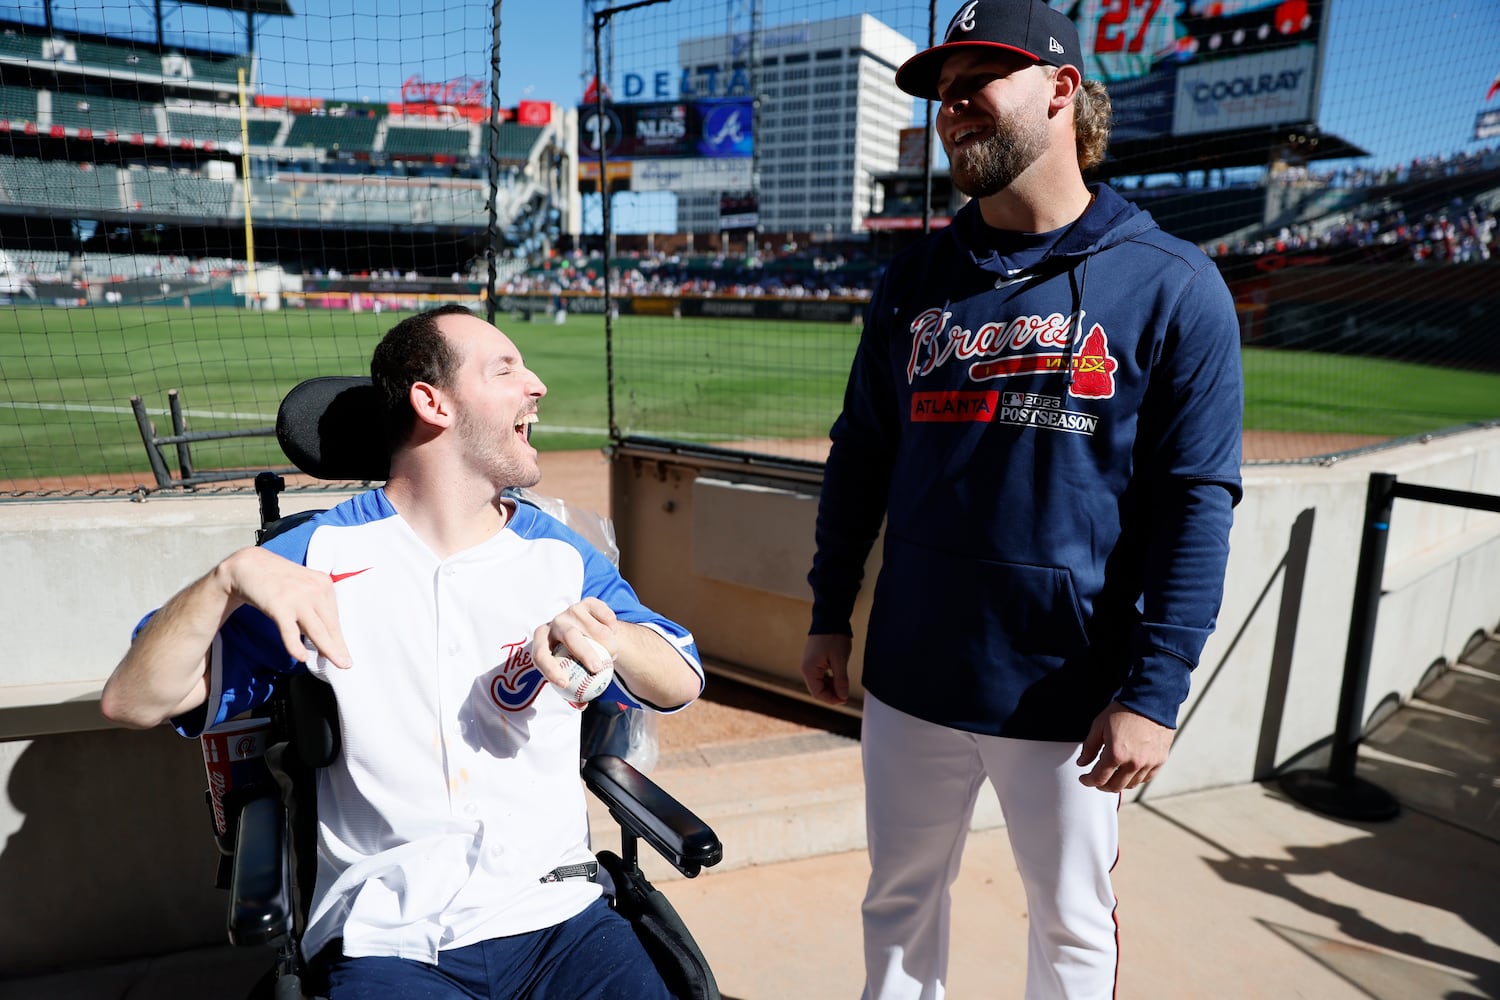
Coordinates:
921 783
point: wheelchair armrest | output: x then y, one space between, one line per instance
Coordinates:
259 896
642 808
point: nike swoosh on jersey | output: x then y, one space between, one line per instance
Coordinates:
336 577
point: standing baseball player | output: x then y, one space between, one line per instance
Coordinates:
452 827
1044 408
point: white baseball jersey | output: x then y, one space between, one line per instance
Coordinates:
457 788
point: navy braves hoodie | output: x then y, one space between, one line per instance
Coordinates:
1055 452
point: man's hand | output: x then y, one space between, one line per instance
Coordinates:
590 618
1127 749
650 667
165 671
298 600
825 667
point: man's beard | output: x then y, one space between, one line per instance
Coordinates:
990 165
492 449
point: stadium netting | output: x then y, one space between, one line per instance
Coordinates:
212 219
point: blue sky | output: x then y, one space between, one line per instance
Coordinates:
1402 78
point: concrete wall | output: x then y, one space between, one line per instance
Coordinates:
106 851
724 547
104 836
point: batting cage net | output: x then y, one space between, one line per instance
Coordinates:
200 206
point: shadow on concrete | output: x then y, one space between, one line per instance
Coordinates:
1439 755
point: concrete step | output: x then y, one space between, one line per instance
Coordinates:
778 779
1437 754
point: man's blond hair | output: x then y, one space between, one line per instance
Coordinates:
1092 119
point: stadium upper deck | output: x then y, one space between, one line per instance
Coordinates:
133 139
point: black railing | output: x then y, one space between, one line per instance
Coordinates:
183 439
1338 790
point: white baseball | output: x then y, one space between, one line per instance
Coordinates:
583 686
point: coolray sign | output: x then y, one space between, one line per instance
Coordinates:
1143 49
690 175
1271 89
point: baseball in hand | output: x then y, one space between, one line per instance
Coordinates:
583 686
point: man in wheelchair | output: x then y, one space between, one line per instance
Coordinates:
453 855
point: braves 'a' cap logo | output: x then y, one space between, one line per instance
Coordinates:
964 20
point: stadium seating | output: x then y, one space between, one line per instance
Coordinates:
226 71
20 46
349 134
516 142
104 114
18 103
179 192
115 56
51 183
375 201
407 140
222 129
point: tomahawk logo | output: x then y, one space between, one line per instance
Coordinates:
1093 367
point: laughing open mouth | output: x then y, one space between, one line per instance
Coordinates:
966 134
524 425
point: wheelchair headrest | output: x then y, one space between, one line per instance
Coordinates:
330 427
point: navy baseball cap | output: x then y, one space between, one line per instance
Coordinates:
1028 27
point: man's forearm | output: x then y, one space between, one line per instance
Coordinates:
164 671
653 669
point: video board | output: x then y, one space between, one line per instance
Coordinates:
1192 67
708 129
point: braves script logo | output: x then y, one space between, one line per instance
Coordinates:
517 682
994 350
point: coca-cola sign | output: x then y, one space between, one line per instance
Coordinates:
459 90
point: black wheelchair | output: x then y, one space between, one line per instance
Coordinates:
268 853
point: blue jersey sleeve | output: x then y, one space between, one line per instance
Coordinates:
247 660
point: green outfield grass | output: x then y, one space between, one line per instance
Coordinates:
69 376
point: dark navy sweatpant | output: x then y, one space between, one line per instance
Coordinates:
594 955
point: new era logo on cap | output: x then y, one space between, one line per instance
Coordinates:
1028 27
